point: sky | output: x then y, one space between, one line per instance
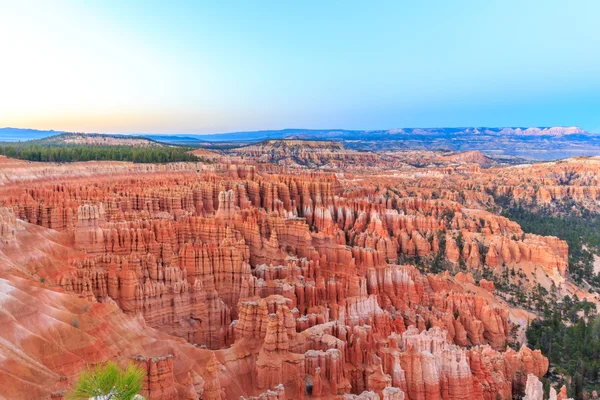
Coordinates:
221 66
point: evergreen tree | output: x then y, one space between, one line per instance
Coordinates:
109 382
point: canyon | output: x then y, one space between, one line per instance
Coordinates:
283 270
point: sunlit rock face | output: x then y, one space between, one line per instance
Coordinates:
261 281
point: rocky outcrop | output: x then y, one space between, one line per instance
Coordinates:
159 382
534 389
212 384
8 224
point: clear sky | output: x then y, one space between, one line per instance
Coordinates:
217 66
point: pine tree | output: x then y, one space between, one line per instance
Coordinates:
109 382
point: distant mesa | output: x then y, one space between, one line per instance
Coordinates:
531 131
552 131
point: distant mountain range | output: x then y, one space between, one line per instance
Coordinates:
536 143
18 134
9 134
345 134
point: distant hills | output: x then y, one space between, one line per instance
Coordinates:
345 134
19 134
98 139
535 143
70 147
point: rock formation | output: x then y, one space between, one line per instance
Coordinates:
267 281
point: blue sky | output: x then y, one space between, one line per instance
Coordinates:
203 67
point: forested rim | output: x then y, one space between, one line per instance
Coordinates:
72 153
567 330
580 229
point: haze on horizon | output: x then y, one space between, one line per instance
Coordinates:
211 67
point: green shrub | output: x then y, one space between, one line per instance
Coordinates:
109 381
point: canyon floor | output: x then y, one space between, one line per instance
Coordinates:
283 271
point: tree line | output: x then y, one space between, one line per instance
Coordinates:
567 330
72 153
568 333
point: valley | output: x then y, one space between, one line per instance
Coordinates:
291 269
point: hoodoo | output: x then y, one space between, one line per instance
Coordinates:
270 284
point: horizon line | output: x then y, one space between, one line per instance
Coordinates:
300 129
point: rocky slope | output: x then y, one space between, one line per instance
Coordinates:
267 282
470 157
